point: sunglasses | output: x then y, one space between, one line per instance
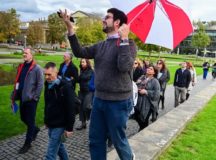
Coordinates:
159 63
107 17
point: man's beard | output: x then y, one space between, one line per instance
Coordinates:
108 29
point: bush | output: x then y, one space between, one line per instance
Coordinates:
7 78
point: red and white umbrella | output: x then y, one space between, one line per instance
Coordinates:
159 22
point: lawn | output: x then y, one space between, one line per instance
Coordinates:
197 141
10 122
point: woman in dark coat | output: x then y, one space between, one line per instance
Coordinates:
137 70
85 94
149 94
163 77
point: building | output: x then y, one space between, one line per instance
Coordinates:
186 46
76 15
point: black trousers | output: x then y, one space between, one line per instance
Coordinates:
27 115
142 124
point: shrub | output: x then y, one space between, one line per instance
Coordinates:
7 78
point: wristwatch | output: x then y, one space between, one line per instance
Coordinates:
124 42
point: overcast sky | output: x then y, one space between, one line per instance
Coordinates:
204 10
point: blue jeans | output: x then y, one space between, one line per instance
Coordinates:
109 118
205 73
55 145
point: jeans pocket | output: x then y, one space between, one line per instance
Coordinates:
129 106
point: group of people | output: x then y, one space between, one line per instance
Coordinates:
105 93
152 80
112 103
206 65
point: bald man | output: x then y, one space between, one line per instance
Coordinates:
27 89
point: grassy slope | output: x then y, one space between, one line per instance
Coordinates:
10 123
197 141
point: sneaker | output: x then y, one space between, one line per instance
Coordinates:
24 148
133 156
109 143
82 126
35 134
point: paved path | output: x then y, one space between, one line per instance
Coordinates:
77 146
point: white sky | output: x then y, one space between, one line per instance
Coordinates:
203 10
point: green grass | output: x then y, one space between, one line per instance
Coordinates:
197 141
10 122
6 67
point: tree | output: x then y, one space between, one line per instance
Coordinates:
35 33
200 39
9 25
56 29
89 31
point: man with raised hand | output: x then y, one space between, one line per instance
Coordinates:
113 59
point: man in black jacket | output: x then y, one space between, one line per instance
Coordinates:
68 70
59 111
181 83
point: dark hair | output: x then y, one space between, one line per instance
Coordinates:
163 64
88 63
118 14
155 70
50 65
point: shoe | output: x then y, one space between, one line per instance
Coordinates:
109 143
24 148
83 126
35 134
162 107
133 156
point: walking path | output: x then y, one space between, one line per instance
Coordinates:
77 145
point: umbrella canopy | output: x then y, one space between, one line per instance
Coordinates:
157 22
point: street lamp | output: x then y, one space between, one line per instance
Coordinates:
25 41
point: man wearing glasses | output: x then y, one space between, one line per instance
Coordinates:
113 59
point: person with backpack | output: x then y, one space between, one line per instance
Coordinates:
85 94
205 66
59 114
214 71
68 70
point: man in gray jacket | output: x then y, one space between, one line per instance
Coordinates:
27 89
113 59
